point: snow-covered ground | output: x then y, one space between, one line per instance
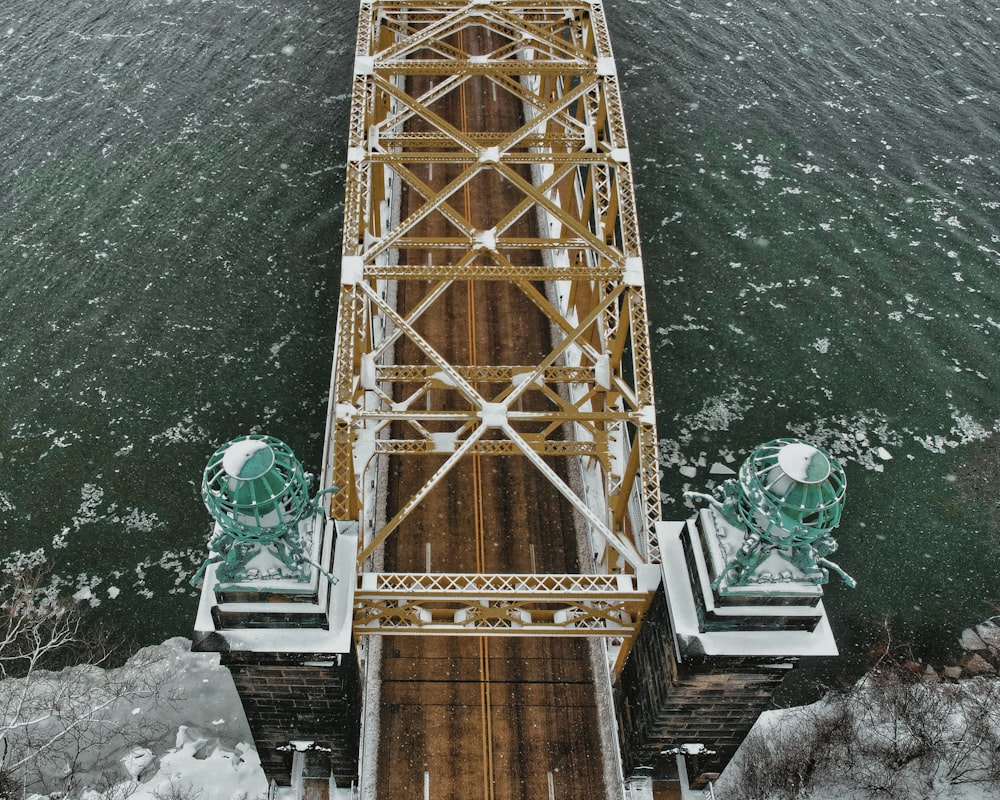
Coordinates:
931 739
893 736
198 767
206 753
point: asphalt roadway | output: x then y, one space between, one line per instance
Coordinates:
476 718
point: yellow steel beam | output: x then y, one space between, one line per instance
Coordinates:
531 604
491 447
488 67
553 58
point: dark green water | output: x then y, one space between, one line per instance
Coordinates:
819 191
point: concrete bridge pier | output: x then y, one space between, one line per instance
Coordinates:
282 624
705 663
304 711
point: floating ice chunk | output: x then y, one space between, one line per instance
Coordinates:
884 454
688 471
59 540
83 593
720 469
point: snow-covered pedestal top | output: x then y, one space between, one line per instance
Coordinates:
775 575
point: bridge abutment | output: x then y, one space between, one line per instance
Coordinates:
705 665
667 705
301 703
288 644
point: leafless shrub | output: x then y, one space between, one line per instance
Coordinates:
54 726
778 762
176 790
891 737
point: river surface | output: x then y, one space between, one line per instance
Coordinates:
819 191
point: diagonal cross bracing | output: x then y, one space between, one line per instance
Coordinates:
444 204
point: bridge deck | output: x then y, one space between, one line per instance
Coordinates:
492 434
496 719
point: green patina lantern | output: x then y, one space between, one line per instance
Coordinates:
787 499
258 494
255 488
791 493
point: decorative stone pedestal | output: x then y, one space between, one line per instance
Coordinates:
708 661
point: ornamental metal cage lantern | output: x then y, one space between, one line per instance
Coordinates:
255 488
786 501
258 494
792 493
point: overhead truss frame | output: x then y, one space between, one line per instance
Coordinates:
587 278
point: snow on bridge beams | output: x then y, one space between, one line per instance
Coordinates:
427 134
448 604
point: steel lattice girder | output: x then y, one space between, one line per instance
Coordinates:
555 61
501 605
449 604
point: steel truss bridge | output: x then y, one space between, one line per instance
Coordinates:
565 238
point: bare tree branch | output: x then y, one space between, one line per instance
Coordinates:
55 724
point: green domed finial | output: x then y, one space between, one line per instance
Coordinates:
787 499
258 494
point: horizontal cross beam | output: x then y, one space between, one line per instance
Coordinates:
498 604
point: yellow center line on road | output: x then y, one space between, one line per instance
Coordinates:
478 514
480 539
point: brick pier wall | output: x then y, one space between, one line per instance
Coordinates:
662 703
644 687
301 697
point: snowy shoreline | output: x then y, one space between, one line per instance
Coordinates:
205 749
